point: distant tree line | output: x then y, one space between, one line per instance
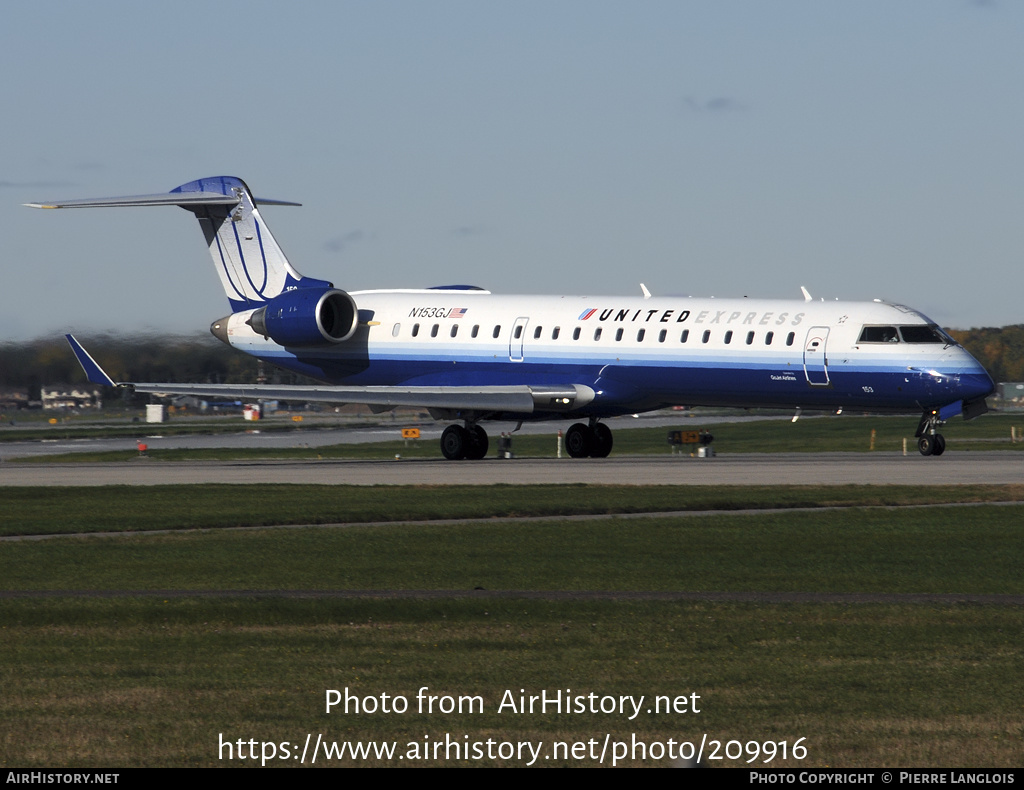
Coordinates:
204 359
198 359
999 349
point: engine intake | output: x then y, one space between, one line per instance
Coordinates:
307 317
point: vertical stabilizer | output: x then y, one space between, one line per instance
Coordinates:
252 267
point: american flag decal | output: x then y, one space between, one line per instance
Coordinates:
586 314
457 312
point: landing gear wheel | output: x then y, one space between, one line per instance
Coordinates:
579 440
455 442
478 443
939 444
602 441
926 444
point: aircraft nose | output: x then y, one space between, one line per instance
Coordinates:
976 385
973 381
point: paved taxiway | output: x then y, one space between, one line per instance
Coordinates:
731 469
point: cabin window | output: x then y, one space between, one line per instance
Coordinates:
685 336
395 330
433 330
790 338
640 336
415 329
476 330
576 333
768 338
554 332
597 333
879 334
919 333
706 337
662 335
536 333
455 329
518 331
750 338
728 337
618 334
497 331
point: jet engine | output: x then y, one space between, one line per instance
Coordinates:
307 317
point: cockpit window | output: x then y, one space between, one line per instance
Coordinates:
879 334
919 333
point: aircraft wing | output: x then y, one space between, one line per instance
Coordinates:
517 399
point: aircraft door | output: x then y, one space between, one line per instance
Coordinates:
815 362
515 340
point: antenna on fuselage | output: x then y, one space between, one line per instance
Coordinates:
807 295
647 294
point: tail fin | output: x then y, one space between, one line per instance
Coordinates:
251 266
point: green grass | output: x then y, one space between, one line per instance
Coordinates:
150 683
54 510
933 550
125 680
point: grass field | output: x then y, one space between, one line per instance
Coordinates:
122 679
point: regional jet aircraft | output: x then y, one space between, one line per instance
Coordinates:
468 356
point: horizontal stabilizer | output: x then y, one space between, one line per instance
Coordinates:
183 199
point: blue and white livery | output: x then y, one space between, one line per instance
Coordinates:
469 356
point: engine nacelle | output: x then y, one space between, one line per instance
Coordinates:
307 317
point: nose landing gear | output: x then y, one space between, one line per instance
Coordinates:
928 441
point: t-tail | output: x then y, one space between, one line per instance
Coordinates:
252 267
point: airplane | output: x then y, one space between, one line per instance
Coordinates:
469 356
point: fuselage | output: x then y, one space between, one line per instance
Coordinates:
639 354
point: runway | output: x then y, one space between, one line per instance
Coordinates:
733 469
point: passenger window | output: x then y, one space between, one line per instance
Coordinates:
519 332
618 334
576 333
554 332
536 333
597 333
455 329
768 338
706 337
497 331
685 336
476 330
640 336
662 335
750 338
728 337
790 338
395 330
433 330
415 329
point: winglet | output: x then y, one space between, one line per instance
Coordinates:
93 371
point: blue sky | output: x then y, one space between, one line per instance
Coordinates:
863 150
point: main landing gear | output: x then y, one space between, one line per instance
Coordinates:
593 441
581 441
928 441
469 442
